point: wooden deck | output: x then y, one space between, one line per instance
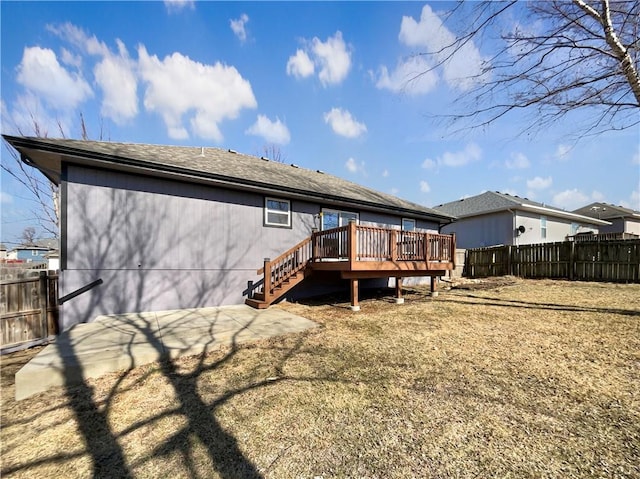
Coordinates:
357 252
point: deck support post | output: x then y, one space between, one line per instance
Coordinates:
399 298
354 295
352 242
432 286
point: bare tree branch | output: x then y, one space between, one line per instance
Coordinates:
571 56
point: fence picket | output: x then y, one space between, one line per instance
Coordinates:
610 260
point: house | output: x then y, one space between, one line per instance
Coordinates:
625 222
494 218
3 252
35 252
165 227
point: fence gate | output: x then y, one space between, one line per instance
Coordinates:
28 310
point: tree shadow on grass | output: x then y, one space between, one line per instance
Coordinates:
514 303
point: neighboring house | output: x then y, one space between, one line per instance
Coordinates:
170 227
3 251
36 252
623 220
494 218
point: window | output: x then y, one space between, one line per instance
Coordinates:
543 227
335 218
35 252
408 224
277 212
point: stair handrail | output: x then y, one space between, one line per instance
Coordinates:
285 266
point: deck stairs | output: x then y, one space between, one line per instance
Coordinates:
355 252
282 274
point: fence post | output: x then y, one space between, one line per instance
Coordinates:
44 299
571 266
509 272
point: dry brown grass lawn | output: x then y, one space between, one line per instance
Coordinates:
529 379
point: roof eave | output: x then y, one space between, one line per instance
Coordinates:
153 169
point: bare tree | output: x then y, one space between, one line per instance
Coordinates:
29 236
576 55
43 192
274 153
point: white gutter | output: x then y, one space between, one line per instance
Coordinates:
565 214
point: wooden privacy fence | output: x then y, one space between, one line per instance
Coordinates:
28 310
616 261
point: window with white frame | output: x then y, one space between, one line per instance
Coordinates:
408 224
543 227
277 212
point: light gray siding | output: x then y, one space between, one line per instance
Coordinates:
485 230
159 244
557 228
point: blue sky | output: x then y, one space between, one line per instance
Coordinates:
325 82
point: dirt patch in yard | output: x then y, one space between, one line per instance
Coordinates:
522 379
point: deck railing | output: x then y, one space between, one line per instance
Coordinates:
350 246
381 244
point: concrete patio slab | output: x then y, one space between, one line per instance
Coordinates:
124 341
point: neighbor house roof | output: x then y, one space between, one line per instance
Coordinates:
494 201
606 211
47 244
213 165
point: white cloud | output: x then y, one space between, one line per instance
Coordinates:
238 27
178 85
354 166
175 6
469 154
424 187
70 59
570 199
633 202
597 196
411 76
539 183
462 68
115 74
385 173
300 65
517 161
29 116
333 59
272 131
394 191
41 73
635 159
344 124
562 152
5 198
429 164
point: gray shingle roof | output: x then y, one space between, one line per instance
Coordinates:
483 203
225 165
606 211
491 201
